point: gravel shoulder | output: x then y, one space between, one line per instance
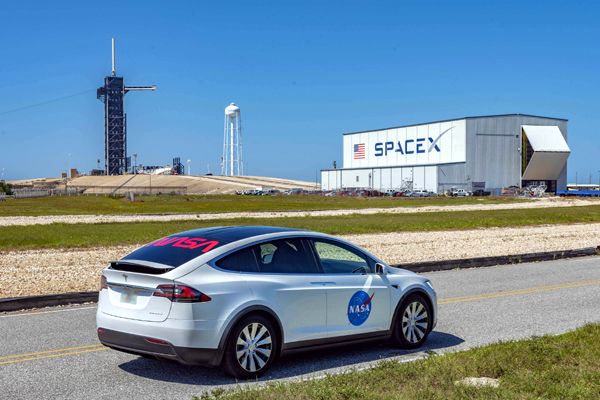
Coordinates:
49 271
98 219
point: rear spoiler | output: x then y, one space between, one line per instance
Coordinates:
140 266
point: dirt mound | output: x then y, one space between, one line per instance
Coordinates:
181 184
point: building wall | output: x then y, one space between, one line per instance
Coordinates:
494 149
478 149
452 176
385 178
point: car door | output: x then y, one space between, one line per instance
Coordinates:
290 283
358 300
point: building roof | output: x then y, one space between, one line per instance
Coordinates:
456 119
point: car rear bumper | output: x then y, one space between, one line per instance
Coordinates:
141 345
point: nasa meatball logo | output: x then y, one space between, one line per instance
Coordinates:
359 307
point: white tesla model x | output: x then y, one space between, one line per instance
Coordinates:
239 297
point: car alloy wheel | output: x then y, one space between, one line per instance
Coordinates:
254 347
251 347
415 321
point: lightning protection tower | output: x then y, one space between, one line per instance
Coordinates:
232 162
115 120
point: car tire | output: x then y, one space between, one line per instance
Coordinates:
413 322
251 348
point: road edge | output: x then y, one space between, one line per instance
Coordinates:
477 262
29 302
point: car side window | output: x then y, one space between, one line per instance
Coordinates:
288 256
267 250
338 259
239 261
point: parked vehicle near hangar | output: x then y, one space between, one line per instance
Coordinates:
459 193
239 297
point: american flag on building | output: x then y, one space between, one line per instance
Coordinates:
359 151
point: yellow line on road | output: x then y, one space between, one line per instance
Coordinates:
520 292
20 360
66 349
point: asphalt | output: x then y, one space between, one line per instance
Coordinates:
54 352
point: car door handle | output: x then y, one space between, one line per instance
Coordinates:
323 283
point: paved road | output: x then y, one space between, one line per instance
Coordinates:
54 353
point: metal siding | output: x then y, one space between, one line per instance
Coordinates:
423 177
451 176
493 148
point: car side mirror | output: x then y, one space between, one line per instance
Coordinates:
379 269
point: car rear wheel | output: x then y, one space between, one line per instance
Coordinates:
251 348
413 322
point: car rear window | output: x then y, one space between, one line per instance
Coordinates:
174 250
285 256
239 261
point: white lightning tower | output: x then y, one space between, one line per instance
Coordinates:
232 163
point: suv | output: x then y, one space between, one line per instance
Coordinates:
458 193
238 297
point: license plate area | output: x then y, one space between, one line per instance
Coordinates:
128 296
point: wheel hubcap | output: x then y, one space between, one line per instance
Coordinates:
414 322
253 347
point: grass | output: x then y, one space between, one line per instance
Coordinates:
548 367
88 235
164 204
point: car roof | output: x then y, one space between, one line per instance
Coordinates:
230 234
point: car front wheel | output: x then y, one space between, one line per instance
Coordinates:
413 322
251 348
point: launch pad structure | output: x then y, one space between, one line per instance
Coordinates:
112 94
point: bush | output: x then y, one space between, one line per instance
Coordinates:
5 187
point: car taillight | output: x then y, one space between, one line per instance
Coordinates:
103 283
181 294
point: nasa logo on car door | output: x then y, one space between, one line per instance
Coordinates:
359 307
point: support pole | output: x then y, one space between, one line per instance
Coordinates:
114 69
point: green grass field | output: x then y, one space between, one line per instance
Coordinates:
87 235
168 204
549 367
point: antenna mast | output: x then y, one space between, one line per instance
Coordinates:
114 70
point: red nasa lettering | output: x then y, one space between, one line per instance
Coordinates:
186 242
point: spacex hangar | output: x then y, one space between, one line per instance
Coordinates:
483 152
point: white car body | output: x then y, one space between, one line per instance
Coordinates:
309 309
459 193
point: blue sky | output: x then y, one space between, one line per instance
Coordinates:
302 72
